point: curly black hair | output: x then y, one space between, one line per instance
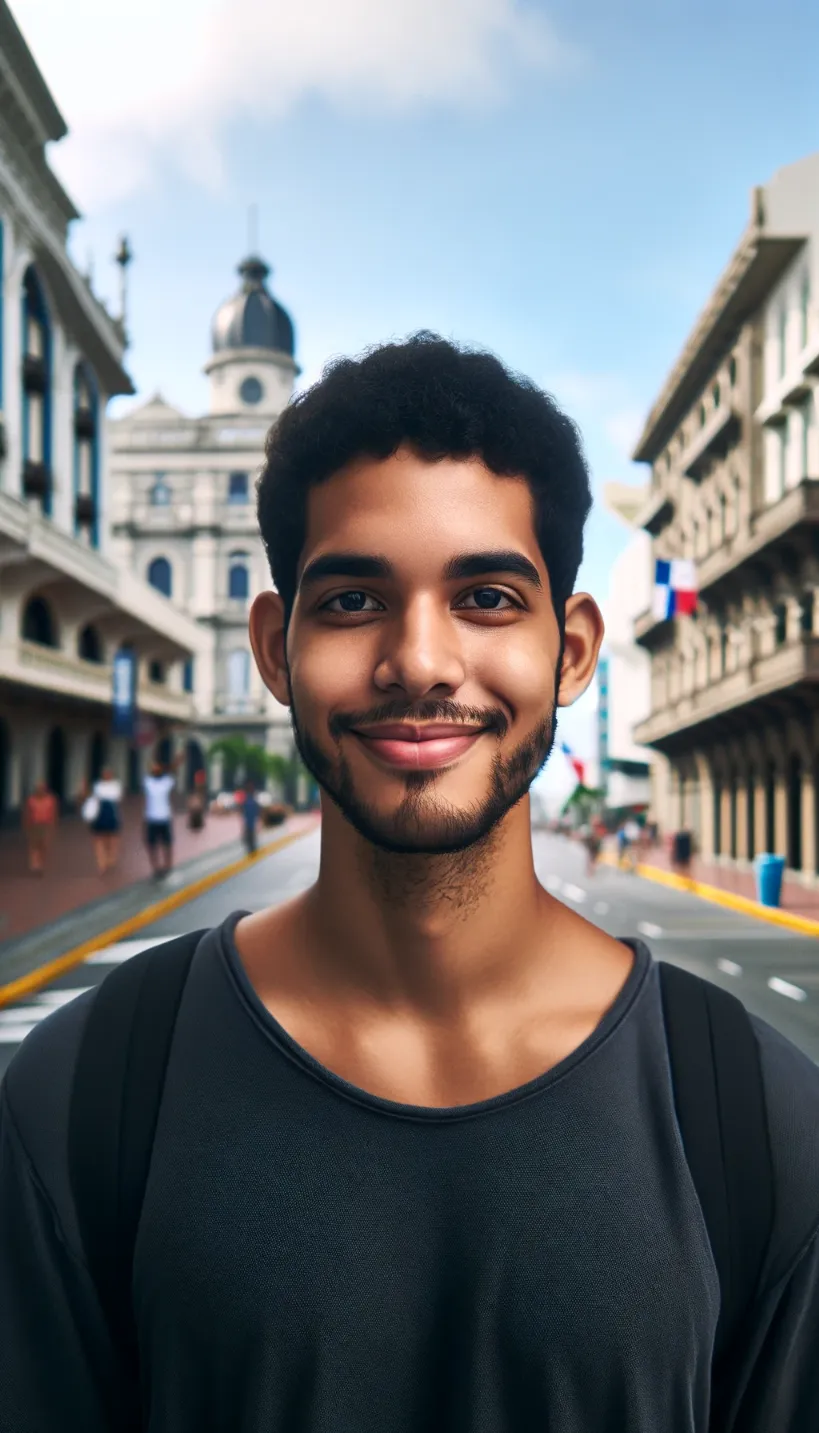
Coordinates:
442 401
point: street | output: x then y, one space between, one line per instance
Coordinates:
775 972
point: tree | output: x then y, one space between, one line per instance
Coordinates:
583 803
247 761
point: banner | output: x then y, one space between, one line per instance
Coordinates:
124 692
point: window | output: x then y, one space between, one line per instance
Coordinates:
238 674
187 676
156 672
238 577
86 453
702 415
715 394
780 624
732 372
237 488
251 391
784 433
160 576
723 518
804 308
783 339
36 392
89 646
806 610
807 413
160 494
723 650
38 623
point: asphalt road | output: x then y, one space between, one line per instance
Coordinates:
774 972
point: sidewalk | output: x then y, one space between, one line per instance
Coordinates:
71 878
798 899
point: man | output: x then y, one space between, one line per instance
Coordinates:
158 786
417 1165
250 810
40 816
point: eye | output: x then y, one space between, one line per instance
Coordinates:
489 599
351 604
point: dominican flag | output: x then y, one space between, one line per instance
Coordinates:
578 766
675 588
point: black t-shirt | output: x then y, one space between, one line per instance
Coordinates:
313 1259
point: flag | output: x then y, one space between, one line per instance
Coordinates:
675 588
578 766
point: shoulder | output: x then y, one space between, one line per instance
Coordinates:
791 1083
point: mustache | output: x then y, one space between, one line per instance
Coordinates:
442 710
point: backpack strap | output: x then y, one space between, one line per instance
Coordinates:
720 1101
115 1098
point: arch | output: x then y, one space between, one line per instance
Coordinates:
56 762
89 644
36 390
97 756
160 575
238 673
239 576
86 451
38 623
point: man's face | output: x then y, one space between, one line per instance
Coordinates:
422 651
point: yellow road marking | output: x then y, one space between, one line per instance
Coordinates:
719 897
44 974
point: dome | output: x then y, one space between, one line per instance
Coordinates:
253 318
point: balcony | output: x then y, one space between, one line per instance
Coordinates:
790 666
656 513
772 529
227 705
651 630
35 374
712 442
85 510
36 479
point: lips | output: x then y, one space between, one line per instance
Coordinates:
420 747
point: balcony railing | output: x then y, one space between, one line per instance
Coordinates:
712 441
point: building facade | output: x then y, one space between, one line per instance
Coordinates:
625 765
733 447
183 506
66 608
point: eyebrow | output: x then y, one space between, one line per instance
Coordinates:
362 565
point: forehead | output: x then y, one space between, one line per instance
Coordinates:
411 509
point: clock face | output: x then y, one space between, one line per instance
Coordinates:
251 391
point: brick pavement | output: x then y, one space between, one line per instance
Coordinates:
71 878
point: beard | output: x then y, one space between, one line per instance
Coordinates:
424 822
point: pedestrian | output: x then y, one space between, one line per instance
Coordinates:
593 844
158 786
419 1163
101 810
40 817
197 802
250 811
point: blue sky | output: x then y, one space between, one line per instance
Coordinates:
561 183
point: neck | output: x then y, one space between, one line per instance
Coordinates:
428 932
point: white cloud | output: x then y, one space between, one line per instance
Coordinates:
160 81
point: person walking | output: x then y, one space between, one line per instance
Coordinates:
250 811
102 811
158 788
404 1152
40 816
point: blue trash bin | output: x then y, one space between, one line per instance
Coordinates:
769 871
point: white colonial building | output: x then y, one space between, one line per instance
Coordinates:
183 505
66 605
627 772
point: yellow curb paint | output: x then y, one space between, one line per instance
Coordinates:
44 974
719 897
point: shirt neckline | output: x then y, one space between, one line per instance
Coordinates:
274 1031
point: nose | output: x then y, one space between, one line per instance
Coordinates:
422 653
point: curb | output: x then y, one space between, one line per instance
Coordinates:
44 974
719 897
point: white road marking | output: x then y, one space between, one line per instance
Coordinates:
784 987
14 1034
575 893
730 967
648 928
600 908
123 950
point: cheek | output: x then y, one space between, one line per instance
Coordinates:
522 674
328 673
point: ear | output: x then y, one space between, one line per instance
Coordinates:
584 630
267 638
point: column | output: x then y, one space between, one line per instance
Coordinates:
808 822
760 818
781 814
725 821
742 821
705 835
